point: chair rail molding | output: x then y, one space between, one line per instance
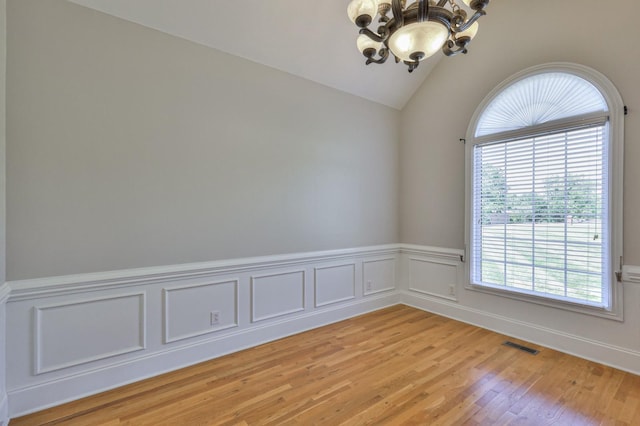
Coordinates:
631 274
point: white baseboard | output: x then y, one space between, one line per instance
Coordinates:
5 291
621 358
4 410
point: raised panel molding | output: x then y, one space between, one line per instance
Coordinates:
188 309
79 332
434 277
277 294
378 275
334 284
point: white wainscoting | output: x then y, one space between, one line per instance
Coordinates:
442 277
198 309
4 401
70 334
334 284
277 294
433 271
379 275
74 336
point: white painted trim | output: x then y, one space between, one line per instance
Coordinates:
437 262
4 409
142 344
165 310
454 255
82 283
5 292
615 356
631 274
255 318
28 399
315 284
393 274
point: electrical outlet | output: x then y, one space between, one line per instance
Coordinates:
215 317
369 286
452 290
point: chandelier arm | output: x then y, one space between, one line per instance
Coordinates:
479 4
398 16
384 54
423 10
373 36
441 3
458 27
461 44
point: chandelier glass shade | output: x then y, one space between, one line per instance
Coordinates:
416 31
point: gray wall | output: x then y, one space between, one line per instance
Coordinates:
3 58
127 147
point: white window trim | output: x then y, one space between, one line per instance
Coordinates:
616 159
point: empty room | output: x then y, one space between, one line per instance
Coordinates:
319 212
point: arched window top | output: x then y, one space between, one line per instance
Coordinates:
538 99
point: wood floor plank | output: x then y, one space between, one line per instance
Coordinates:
395 366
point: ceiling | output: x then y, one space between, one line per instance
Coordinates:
312 39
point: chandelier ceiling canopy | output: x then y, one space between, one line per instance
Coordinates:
417 31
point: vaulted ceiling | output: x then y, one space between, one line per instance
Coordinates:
312 39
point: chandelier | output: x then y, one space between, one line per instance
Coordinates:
414 32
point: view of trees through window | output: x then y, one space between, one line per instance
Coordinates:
570 197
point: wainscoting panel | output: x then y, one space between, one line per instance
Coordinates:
435 277
4 400
378 275
334 284
76 333
275 295
199 309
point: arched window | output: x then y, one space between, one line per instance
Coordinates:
544 190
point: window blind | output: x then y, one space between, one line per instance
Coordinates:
540 212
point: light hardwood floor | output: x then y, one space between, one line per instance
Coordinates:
395 366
